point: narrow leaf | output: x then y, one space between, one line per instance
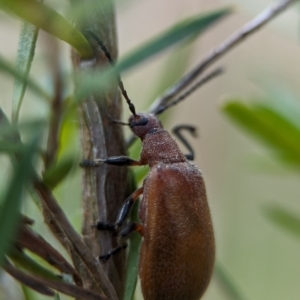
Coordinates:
56 297
25 56
269 126
227 283
26 262
11 147
49 20
7 68
283 101
132 267
9 214
181 31
133 256
285 219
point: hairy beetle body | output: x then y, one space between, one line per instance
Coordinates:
177 253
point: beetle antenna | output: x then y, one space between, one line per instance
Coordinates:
183 96
111 61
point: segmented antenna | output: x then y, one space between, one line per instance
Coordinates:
111 61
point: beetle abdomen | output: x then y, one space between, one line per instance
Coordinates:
177 253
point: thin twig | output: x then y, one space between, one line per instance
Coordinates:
263 18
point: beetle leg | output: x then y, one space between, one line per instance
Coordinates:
123 213
124 233
104 226
177 132
127 206
131 227
127 230
113 160
104 258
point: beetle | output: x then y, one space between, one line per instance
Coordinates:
178 249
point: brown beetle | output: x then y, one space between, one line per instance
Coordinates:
178 249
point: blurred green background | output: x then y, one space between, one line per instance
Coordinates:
244 177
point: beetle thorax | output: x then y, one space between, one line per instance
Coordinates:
159 147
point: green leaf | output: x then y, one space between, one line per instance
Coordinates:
181 31
49 20
56 297
284 102
270 126
67 150
7 68
68 133
9 214
227 283
95 81
11 147
27 292
25 56
132 266
285 219
134 250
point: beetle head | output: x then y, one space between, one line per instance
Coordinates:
141 124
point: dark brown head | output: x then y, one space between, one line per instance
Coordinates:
141 124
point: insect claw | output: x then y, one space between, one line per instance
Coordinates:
87 163
104 258
104 226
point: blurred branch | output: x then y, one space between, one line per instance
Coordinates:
25 262
239 36
79 247
201 82
103 188
27 280
36 244
58 223
56 105
41 285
